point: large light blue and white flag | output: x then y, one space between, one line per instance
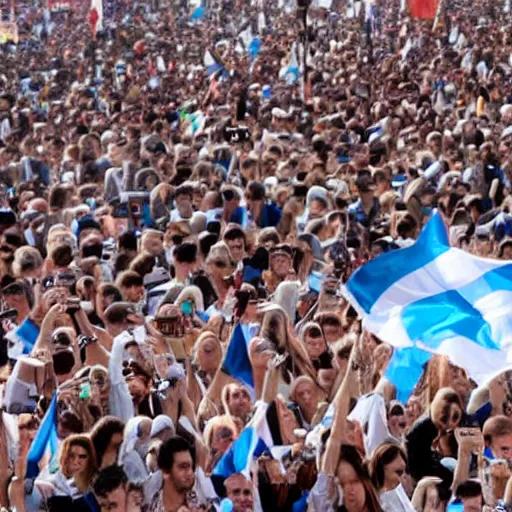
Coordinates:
431 298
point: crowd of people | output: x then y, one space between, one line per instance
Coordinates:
184 192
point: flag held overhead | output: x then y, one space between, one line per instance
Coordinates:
423 9
236 363
431 298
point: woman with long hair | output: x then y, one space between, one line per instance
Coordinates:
344 462
276 329
107 437
388 468
78 462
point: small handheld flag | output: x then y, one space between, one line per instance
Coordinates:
46 437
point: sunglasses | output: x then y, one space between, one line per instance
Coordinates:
177 239
225 433
220 264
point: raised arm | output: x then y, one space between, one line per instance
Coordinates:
95 353
47 327
271 382
341 405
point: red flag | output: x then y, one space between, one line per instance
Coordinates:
93 20
151 68
423 9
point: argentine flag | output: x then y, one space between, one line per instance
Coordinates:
211 64
292 72
254 440
431 298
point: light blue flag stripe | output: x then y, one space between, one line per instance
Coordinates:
369 282
46 435
239 455
237 363
434 299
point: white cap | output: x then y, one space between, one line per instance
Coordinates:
203 153
160 423
107 137
279 113
507 132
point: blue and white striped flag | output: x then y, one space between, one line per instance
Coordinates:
211 64
431 298
254 439
292 72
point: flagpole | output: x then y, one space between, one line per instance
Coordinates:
303 7
440 7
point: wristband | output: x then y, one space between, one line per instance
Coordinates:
85 341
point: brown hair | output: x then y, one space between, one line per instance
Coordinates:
350 455
84 478
497 426
383 455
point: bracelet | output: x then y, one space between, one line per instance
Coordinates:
85 341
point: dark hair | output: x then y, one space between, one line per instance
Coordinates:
405 226
184 190
396 409
143 264
129 278
256 191
128 241
58 197
71 421
383 455
185 253
469 489
350 455
174 445
117 312
63 362
62 255
328 318
111 290
102 433
122 262
108 480
12 237
234 233
206 241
